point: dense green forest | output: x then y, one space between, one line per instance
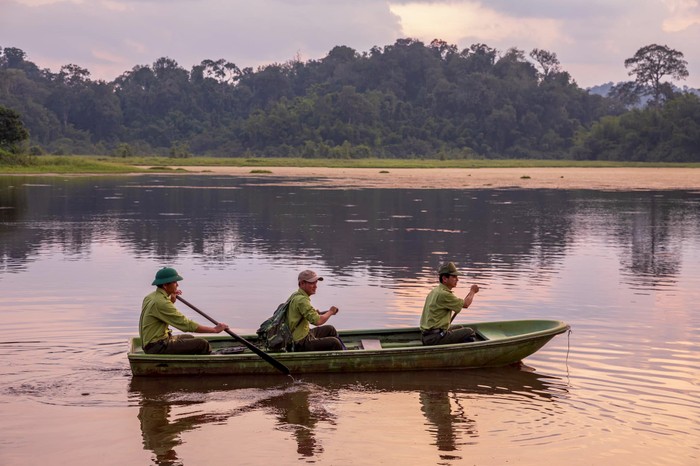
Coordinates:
404 100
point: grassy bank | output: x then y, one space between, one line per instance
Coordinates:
88 164
55 164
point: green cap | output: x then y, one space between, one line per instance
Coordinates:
448 269
166 275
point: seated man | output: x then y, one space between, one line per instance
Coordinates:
300 314
439 306
159 311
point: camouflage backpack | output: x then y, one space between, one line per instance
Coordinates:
275 332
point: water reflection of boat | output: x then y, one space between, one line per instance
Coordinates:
443 397
501 344
483 381
162 431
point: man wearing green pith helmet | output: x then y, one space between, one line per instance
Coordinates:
159 311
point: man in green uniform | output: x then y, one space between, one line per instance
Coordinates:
159 311
439 306
301 313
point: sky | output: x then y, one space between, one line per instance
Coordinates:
591 38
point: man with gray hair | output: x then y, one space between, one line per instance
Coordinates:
301 313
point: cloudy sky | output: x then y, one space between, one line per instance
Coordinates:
591 38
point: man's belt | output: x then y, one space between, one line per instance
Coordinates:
154 343
432 331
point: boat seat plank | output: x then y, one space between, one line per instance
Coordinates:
371 344
402 344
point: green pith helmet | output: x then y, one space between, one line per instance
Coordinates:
448 269
166 275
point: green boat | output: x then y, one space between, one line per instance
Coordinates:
383 350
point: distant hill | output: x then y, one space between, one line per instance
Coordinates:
601 89
604 89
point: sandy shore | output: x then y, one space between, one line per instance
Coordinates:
460 178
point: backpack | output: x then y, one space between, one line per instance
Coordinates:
275 332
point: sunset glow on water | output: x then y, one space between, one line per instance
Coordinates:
77 256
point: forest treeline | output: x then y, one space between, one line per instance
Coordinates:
402 100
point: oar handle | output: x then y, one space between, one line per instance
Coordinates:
278 365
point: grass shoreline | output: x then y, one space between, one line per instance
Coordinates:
63 165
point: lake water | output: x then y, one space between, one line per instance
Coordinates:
77 255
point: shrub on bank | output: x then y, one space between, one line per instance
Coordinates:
8 158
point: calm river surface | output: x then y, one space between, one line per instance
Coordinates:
77 255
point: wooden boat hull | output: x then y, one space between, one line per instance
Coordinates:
504 343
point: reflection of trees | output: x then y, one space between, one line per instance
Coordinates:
650 229
14 250
652 253
398 230
40 212
394 232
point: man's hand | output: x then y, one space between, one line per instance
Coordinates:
473 290
173 296
220 327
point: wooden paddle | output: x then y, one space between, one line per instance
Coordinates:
278 365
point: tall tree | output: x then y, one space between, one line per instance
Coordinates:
13 57
220 70
547 61
651 64
442 48
12 131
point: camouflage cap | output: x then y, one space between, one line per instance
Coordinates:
448 269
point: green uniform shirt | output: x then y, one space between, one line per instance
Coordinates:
157 313
438 308
300 314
